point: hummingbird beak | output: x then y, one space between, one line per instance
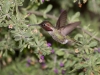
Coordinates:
34 25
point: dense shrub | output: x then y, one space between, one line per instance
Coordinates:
29 50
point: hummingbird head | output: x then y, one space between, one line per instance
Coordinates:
46 25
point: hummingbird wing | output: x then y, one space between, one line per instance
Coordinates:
68 28
62 19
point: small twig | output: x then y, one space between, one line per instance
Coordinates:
55 60
55 18
94 5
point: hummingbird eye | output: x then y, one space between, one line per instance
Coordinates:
44 24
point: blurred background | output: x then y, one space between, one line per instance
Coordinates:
30 50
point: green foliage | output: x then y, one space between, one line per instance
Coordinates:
28 50
95 6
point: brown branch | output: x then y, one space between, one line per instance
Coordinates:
90 34
41 14
55 18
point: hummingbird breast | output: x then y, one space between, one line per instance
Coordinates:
57 36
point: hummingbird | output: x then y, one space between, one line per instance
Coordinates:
61 31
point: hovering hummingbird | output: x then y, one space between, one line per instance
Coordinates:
59 32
